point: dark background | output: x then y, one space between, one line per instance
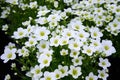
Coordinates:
114 70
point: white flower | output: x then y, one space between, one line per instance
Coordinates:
42 12
30 29
20 33
48 53
33 4
100 1
63 15
114 25
9 54
99 18
99 11
82 35
91 76
74 53
63 70
57 74
95 33
54 17
15 2
102 74
117 10
55 4
10 46
44 60
68 33
36 71
31 42
104 63
76 25
77 61
52 24
98 22
96 44
64 52
41 33
75 71
75 45
107 47
5 13
49 76
55 41
64 41
89 50
26 23
23 52
43 46
5 27
13 65
7 77
67 1
41 20
23 68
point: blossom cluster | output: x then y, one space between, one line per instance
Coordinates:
63 43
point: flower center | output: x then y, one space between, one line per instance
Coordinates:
95 34
81 35
37 71
68 34
88 51
56 41
74 53
91 78
57 75
75 45
74 71
9 55
77 61
45 61
62 70
48 78
43 46
106 47
20 33
42 33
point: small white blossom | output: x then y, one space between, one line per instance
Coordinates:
15 2
91 76
41 33
77 61
43 45
55 41
36 71
8 55
75 71
74 53
5 27
95 33
89 50
33 4
75 45
20 33
104 63
7 77
49 76
31 42
63 70
44 60
107 47
102 74
57 74
64 52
